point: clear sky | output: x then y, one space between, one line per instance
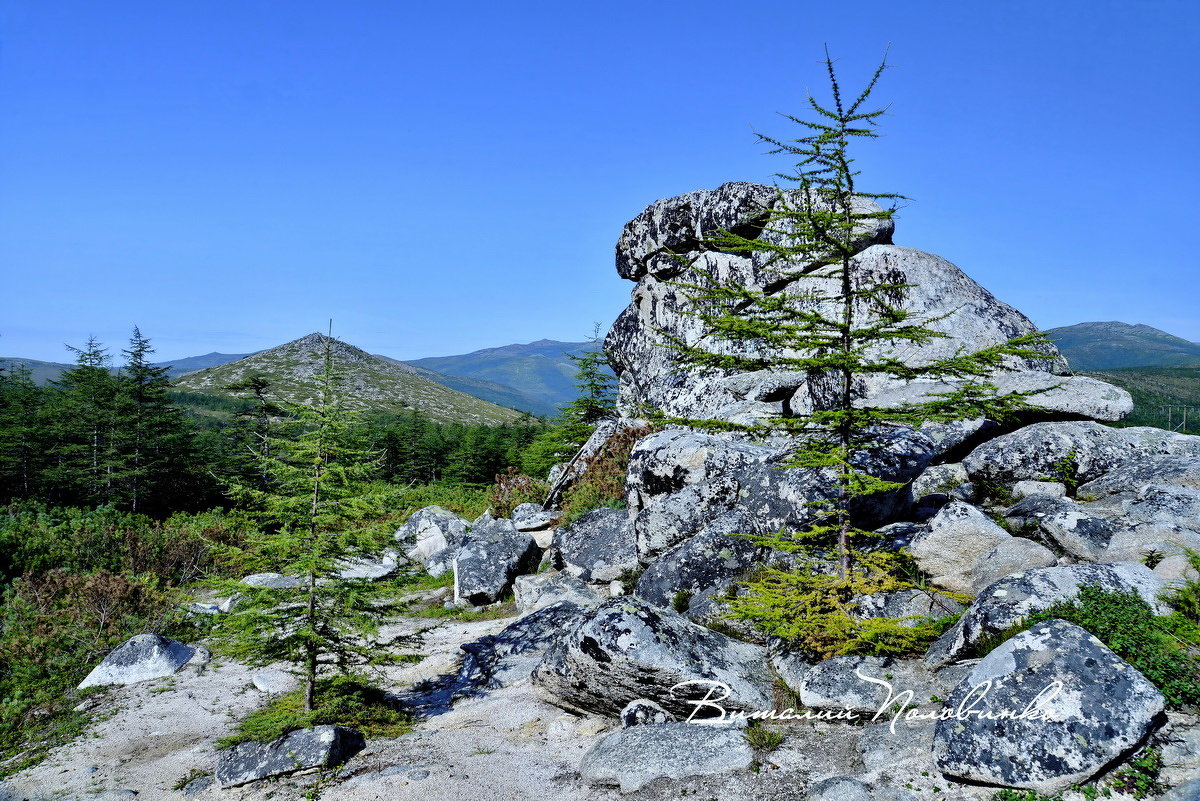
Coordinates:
443 177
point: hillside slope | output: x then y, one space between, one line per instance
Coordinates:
1115 345
1154 388
368 381
541 371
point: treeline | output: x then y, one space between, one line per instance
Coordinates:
126 439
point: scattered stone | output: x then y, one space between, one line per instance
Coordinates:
628 649
1051 489
273 581
492 557
598 547
633 757
319 747
532 517
938 479
368 568
1012 599
1104 709
644 712
965 551
910 607
273 681
140 658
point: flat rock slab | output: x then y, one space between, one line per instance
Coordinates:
140 658
1102 711
636 756
319 747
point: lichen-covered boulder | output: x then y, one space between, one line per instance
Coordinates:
493 555
140 658
964 550
319 747
668 461
430 531
1015 598
1179 469
628 649
700 563
1089 450
540 590
1053 706
1076 395
598 547
1065 523
852 683
635 756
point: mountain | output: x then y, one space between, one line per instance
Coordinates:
540 371
44 372
190 364
489 391
1115 345
40 372
369 381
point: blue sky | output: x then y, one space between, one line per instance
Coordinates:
230 175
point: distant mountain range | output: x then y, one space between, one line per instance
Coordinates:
537 377
542 371
367 381
1114 345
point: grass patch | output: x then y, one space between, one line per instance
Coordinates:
340 700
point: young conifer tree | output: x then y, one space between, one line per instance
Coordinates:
846 327
310 494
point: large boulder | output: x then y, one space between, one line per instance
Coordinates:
706 560
431 531
319 747
494 554
656 247
140 658
598 547
671 519
628 649
1010 600
635 756
1041 450
1180 469
852 683
1059 706
540 590
668 461
1066 524
964 550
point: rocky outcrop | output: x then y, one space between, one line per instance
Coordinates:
543 589
657 246
1043 736
140 658
633 757
320 747
1088 450
628 649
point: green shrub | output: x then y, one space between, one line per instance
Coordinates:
602 482
1156 645
512 488
340 700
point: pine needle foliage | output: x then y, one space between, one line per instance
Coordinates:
311 495
847 327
